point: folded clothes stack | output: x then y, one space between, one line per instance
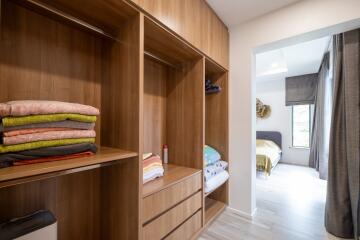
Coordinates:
43 131
215 173
211 87
152 167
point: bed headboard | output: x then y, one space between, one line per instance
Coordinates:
270 135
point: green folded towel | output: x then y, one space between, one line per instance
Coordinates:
31 119
41 144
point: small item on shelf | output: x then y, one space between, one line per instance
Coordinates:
211 87
39 131
152 167
165 154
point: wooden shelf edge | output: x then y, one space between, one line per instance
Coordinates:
213 209
207 194
32 172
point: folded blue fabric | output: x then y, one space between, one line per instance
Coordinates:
211 156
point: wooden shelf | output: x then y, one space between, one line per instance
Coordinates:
105 19
103 156
213 208
212 68
172 175
164 45
207 194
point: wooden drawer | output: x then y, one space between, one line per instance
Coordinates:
163 200
163 225
187 229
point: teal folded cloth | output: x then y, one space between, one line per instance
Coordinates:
211 156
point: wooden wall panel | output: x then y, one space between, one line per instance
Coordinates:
185 115
194 21
156 76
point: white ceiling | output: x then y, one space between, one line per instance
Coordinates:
299 59
234 12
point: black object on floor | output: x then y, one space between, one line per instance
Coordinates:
18 227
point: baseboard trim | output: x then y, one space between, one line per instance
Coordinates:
243 214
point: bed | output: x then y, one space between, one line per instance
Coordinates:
268 150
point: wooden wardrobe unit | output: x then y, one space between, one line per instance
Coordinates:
148 83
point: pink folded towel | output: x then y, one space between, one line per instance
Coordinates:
32 107
52 135
34 130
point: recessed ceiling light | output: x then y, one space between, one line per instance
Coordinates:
273 71
275 65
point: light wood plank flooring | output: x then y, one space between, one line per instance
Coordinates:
290 206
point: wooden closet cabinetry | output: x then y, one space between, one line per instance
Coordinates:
148 83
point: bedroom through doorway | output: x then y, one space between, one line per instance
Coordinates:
289 179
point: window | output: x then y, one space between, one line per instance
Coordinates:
301 126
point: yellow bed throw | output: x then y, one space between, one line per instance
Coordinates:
266 152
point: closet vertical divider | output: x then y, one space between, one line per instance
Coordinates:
122 128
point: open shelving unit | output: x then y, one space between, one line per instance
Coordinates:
216 134
173 97
89 54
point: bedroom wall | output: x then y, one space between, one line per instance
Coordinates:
273 93
304 20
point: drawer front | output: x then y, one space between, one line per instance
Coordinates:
187 229
163 225
159 202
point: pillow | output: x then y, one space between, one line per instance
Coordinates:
211 156
261 143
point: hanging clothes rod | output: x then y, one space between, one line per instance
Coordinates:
159 59
70 18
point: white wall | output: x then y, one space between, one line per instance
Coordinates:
304 20
273 93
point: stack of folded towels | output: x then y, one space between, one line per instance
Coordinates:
215 173
152 167
42 131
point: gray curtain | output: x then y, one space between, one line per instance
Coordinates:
300 90
319 148
342 203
